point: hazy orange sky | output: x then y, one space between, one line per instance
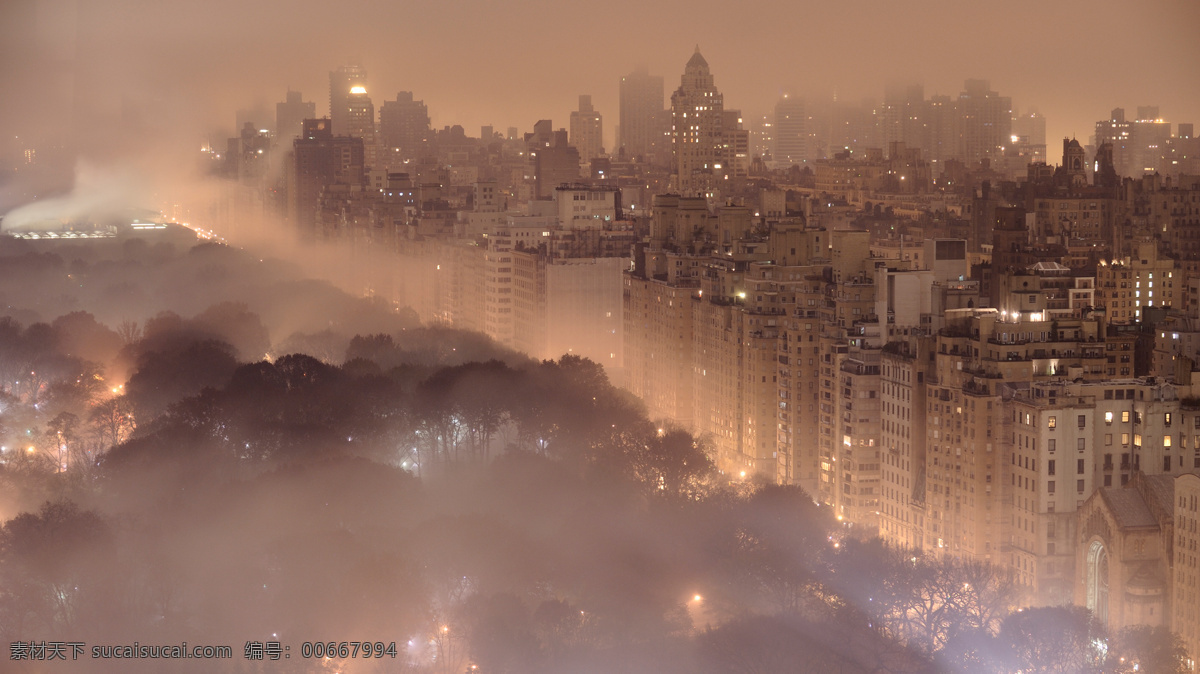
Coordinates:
189 65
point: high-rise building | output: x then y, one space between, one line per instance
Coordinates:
320 160
985 122
247 155
404 126
762 137
290 116
1138 145
1030 130
941 132
360 122
341 81
587 130
791 132
552 161
641 114
735 141
901 118
1186 602
697 117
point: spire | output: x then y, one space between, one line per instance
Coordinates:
697 61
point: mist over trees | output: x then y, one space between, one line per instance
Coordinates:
251 467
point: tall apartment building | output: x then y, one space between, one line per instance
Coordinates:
735 144
532 285
790 132
984 122
658 345
360 123
903 369
587 130
341 82
552 161
800 358
1138 144
290 115
1185 579
1129 286
902 116
319 160
698 133
1167 209
941 131
1029 134
854 470
641 116
404 127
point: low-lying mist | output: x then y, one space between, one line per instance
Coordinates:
203 445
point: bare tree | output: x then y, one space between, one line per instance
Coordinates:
112 421
130 331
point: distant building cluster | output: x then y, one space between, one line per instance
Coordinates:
903 306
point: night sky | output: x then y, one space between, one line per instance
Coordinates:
188 66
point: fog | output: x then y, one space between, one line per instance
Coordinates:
169 75
177 469
219 433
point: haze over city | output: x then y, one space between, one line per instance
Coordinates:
481 63
481 337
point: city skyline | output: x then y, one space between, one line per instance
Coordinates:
827 358
1041 56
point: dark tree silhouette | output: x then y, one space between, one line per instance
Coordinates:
53 567
1141 648
178 370
1054 640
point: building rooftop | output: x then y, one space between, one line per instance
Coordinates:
1134 505
1128 507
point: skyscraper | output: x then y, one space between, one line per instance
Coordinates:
341 81
941 132
290 115
696 111
791 132
641 113
319 160
552 160
587 130
985 122
360 121
1137 145
901 117
1029 134
404 125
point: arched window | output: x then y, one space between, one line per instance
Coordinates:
1097 581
